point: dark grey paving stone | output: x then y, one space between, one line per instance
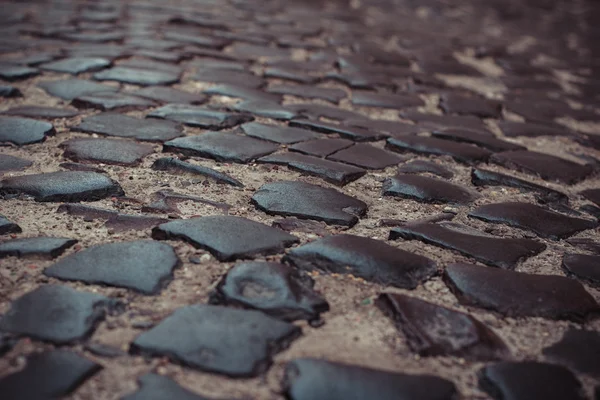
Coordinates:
461 152
12 163
197 38
484 139
48 247
543 222
578 349
76 65
71 186
175 165
62 315
72 166
200 117
321 147
94 37
585 244
390 128
289 74
169 95
592 195
531 129
110 101
545 166
265 109
433 330
221 147
275 289
104 350
366 156
529 380
157 387
22 131
434 121
7 226
69 89
8 91
106 151
226 237
385 100
420 166
277 134
113 220
233 342
13 72
455 103
491 250
427 190
41 112
306 201
310 92
353 133
313 379
370 259
113 124
516 294
49 375
293 224
229 76
242 92
147 64
144 266
138 76
315 111
583 266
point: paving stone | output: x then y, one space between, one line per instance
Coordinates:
11 163
578 349
435 121
221 147
592 195
420 166
310 92
22 131
455 103
138 76
48 247
530 129
109 101
529 380
233 77
76 65
484 139
427 190
176 165
242 92
461 152
41 112
195 37
276 133
158 387
316 111
61 186
433 330
585 244
62 315
144 266
391 128
169 95
591 210
290 74
69 89
313 379
113 220
226 237
94 37
370 259
352 133
7 226
104 350
200 117
367 156
265 109
321 147
292 224
106 151
113 124
165 201
545 166
146 64
583 266
233 342
276 289
516 294
385 100
8 91
12 72
306 201
49 375
491 250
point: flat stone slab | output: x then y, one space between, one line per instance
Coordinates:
366 156
455 103
110 101
69 89
370 259
427 190
12 163
516 294
313 379
169 95
233 342
227 237
8 91
7 226
113 124
41 112
48 247
583 266
265 109
306 201
484 139
76 65
69 186
578 349
200 117
12 72
62 315
138 76
22 131
321 147
592 195
157 387
461 152
275 289
175 165
311 92
385 100
531 129
354 133
277 134
106 151
422 166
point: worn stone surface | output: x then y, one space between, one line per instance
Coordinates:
578 349
22 131
583 266
11 163
142 77
76 65
366 156
49 247
420 166
321 147
69 89
176 165
106 151
426 189
277 134
41 112
199 116
109 101
169 95
113 124
461 152
156 387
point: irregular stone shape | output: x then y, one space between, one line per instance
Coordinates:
530 129
321 147
585 244
114 221
237 343
107 151
277 134
226 237
352 133
229 76
385 100
7 226
176 165
334 172
69 89
169 95
290 74
12 72
112 124
196 38
76 65
516 294
315 111
455 103
578 349
158 387
591 210
50 247
49 375
584 266
483 139
11 163
108 101
266 109
418 166
392 128
427 190
41 112
144 266
370 259
62 315
243 92
484 177
367 156
527 380
306 201
433 330
22 131
165 201
292 224
104 350
312 379
311 92
276 289
592 195
547 167
144 63
199 116
9 91
498 252
461 152
138 76
70 186
443 121
221 147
